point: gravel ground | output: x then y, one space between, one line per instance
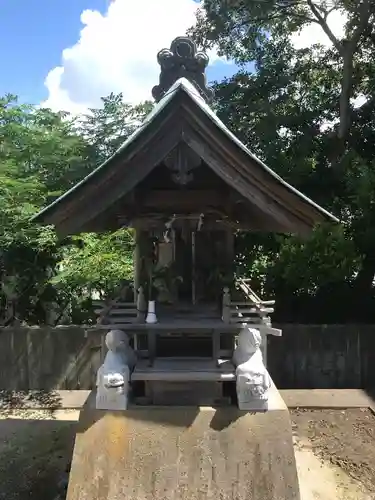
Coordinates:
338 446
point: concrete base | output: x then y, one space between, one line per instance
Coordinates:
183 453
255 405
111 399
274 402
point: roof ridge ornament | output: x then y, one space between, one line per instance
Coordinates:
182 60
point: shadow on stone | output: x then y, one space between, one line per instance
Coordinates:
225 417
35 457
371 393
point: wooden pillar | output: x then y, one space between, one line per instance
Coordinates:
141 305
137 263
216 346
226 313
230 255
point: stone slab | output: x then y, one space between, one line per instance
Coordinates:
183 453
173 370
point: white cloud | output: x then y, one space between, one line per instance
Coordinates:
116 52
59 98
313 33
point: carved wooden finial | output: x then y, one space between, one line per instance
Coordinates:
182 60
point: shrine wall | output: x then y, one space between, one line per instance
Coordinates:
306 356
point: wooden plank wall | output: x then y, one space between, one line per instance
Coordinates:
323 356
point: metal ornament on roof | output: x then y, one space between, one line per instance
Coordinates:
182 60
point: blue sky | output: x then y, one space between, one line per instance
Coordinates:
34 34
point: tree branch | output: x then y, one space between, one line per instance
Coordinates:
272 17
328 12
346 49
349 48
323 23
364 16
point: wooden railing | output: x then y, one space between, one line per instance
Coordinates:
252 310
117 311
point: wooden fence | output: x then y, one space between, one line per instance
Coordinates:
306 356
323 356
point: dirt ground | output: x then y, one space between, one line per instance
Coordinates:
335 453
35 453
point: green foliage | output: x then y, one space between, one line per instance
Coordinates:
328 257
294 109
96 262
106 128
42 154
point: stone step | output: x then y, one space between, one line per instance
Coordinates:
184 370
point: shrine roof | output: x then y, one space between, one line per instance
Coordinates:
184 97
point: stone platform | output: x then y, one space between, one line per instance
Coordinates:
294 398
183 453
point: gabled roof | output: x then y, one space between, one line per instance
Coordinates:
182 115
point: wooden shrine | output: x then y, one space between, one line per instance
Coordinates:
186 185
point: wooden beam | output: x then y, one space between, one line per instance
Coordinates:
174 199
223 166
298 214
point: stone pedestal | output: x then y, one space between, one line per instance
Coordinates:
112 399
183 453
183 393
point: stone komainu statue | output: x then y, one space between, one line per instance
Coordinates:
252 378
114 375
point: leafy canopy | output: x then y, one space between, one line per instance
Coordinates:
42 154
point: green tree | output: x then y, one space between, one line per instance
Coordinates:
107 127
42 154
243 28
41 157
295 109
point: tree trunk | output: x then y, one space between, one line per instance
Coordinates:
346 92
365 277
